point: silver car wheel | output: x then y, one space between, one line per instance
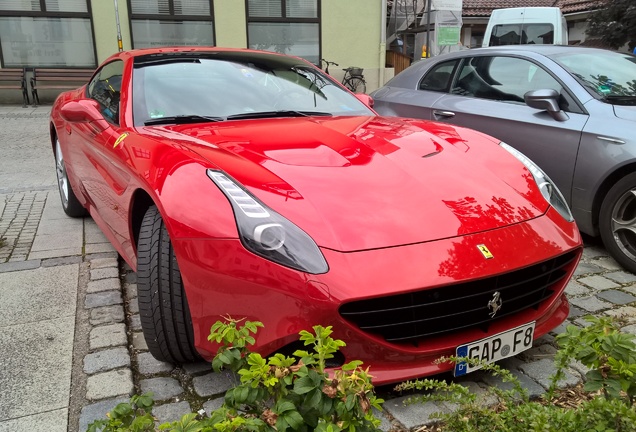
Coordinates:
62 179
624 223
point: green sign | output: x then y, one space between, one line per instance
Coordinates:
448 35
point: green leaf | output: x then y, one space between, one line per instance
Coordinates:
294 419
283 406
304 385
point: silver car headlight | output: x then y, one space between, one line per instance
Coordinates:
267 233
547 187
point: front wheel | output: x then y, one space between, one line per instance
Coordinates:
71 205
356 85
163 306
617 222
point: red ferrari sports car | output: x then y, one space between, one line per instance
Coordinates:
251 184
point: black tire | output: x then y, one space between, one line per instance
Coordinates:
356 85
617 222
163 306
71 205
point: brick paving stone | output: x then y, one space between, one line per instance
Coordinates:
135 322
104 262
631 329
171 412
104 273
105 298
131 277
106 360
541 371
212 405
133 307
532 387
18 266
161 387
131 291
626 312
594 252
213 384
148 365
560 329
582 322
598 283
108 336
622 277
97 411
630 289
575 289
54 262
413 415
102 285
109 384
483 396
608 263
617 297
590 304
539 352
138 341
107 315
575 312
194 368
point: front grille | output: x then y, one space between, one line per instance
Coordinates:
432 312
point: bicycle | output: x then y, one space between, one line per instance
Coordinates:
353 78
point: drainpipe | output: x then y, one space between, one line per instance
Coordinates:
382 43
120 45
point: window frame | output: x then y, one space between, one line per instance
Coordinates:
286 20
43 13
576 107
171 17
451 80
96 77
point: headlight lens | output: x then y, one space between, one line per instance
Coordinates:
267 233
547 187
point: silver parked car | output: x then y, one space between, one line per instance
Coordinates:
570 109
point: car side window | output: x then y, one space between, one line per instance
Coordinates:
504 79
438 78
105 88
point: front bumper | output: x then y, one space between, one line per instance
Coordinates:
222 278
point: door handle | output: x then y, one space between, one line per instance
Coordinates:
444 113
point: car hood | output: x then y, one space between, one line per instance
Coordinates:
356 183
625 112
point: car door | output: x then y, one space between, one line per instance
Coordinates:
488 95
107 184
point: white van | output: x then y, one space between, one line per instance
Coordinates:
526 25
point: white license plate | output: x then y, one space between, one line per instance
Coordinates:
494 348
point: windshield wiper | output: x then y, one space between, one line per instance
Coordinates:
279 113
182 119
620 100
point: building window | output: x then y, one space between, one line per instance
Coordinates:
46 33
171 22
285 26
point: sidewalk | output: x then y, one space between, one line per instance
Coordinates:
70 334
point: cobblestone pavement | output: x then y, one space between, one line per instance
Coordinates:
110 360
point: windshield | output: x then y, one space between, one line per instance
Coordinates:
233 84
607 75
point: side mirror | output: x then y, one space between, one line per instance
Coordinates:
85 110
365 99
546 100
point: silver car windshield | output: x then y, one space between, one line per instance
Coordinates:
218 86
610 76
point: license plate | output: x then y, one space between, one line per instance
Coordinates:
494 348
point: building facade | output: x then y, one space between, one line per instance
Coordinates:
83 33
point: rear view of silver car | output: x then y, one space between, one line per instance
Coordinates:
572 110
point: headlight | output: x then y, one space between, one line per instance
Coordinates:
267 233
547 187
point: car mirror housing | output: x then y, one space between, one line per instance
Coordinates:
85 110
365 99
546 100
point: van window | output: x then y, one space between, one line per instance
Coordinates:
522 34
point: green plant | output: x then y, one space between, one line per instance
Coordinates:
607 352
278 393
133 416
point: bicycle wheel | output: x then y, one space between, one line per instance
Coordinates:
356 84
